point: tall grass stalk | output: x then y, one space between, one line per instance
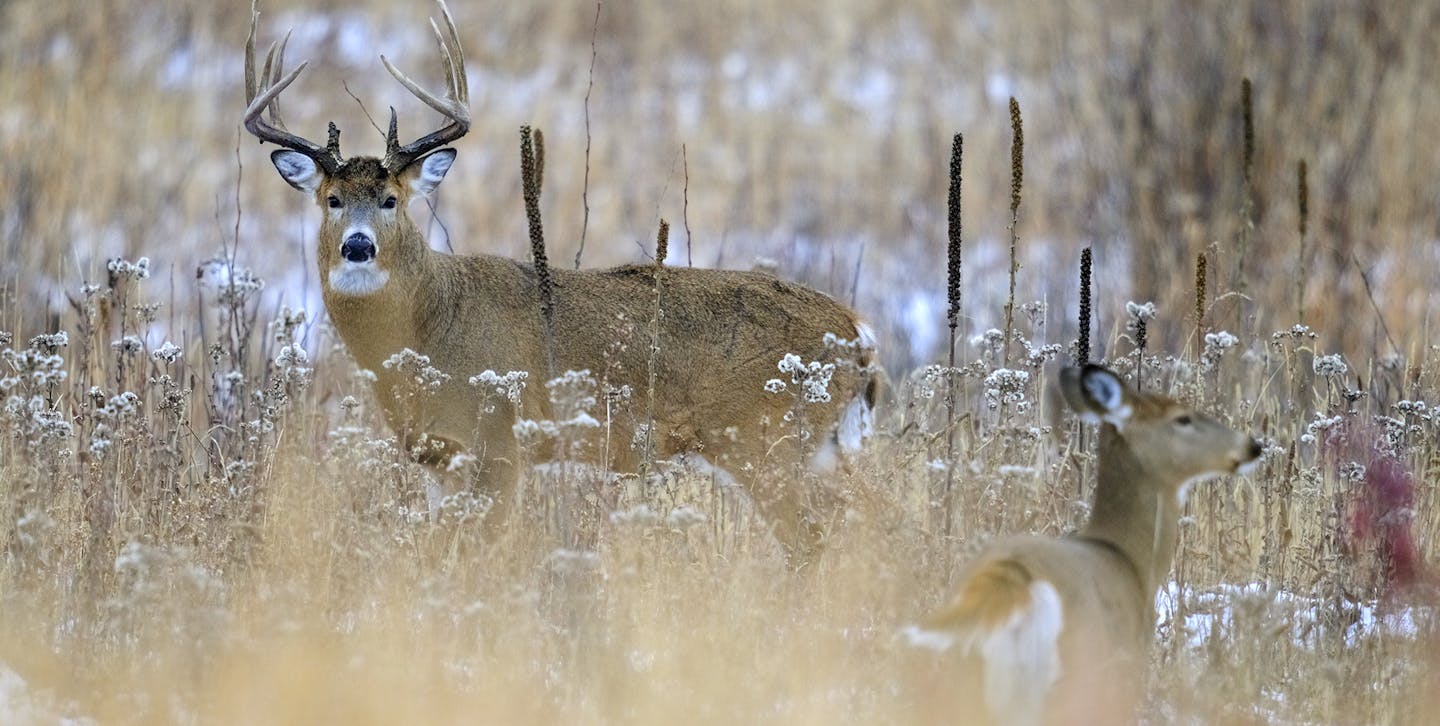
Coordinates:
1017 174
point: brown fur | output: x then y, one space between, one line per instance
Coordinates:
721 336
1107 574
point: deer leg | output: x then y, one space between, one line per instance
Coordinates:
798 513
491 474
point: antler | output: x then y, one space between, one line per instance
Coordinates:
455 106
263 93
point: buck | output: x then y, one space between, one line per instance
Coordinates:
1057 630
718 340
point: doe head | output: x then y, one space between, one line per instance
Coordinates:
1169 442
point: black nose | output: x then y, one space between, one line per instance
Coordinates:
358 248
1255 449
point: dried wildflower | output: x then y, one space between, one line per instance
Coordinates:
1216 345
167 352
572 396
1332 366
294 365
929 381
1139 314
991 341
1418 409
232 286
285 325
639 516
128 345
50 342
684 517
510 385
1007 386
1035 310
1294 332
1320 425
417 368
813 378
38 364
122 269
574 561
1039 357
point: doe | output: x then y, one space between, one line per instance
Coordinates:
1058 630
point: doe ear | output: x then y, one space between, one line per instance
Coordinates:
297 169
1095 393
426 173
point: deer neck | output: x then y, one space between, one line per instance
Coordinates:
376 326
1133 513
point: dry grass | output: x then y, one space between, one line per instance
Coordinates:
239 542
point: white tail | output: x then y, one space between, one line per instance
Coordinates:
719 337
1056 630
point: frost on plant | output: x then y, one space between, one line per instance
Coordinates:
294 365
1005 386
640 516
39 365
167 352
1294 332
1216 344
812 380
1137 314
285 328
128 345
1330 366
991 342
930 380
1318 427
572 397
232 286
417 370
1039 357
122 269
509 385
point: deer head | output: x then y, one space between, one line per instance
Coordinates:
366 232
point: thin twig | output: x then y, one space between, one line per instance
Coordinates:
585 188
685 206
1370 293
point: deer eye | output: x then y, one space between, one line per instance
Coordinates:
334 202
389 202
1183 419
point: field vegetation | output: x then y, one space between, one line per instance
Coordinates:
204 518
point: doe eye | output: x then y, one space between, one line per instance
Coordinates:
389 202
333 201
1184 419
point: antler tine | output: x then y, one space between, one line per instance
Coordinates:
455 106
278 54
261 93
458 82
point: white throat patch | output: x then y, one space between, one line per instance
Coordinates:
358 278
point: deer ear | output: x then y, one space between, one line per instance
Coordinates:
298 169
427 173
1095 393
1104 394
